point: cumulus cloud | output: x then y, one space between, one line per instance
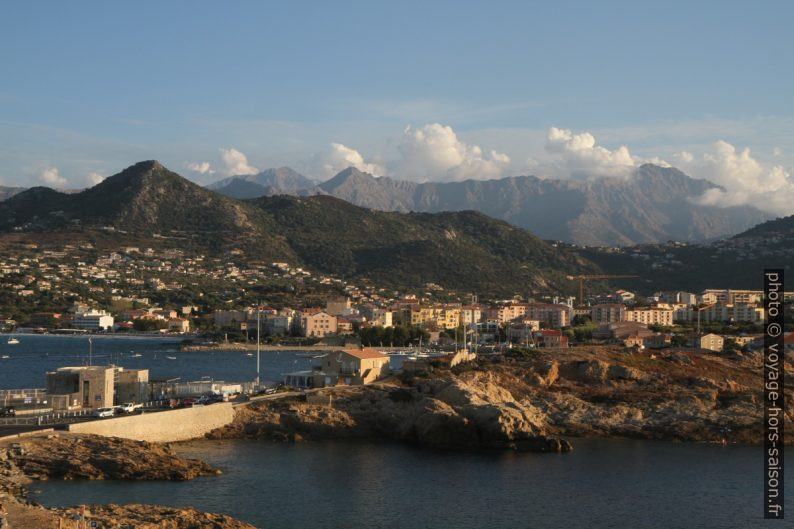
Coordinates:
236 163
578 155
199 167
51 177
745 180
434 152
339 157
93 178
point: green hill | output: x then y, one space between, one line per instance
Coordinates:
148 204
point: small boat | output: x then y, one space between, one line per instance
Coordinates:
249 354
12 341
4 357
136 355
171 357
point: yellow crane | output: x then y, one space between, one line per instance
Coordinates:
594 277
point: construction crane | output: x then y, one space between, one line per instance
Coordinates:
595 277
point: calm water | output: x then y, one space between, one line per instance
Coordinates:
29 360
602 484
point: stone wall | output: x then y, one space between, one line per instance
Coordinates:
162 426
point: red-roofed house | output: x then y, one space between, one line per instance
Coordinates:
342 367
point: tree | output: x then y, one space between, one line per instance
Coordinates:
148 325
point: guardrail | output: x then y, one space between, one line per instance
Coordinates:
65 416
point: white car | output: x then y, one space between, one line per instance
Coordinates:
103 412
128 407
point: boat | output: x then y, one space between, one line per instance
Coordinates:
4 357
171 357
12 341
136 355
249 354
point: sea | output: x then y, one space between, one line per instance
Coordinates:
25 364
603 483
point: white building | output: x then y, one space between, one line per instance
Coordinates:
93 320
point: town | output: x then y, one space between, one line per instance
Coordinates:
79 289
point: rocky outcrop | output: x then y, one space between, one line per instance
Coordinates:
531 403
68 456
95 457
155 517
449 412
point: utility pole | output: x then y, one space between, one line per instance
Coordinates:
258 305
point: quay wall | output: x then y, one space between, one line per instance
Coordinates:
162 426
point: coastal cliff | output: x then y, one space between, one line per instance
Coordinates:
530 400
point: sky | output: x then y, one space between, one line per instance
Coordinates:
411 90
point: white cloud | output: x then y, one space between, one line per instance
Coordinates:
93 178
745 179
236 163
434 152
199 167
577 155
50 177
339 157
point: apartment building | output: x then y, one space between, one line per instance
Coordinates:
317 324
650 316
549 314
93 320
608 313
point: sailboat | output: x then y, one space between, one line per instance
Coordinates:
12 341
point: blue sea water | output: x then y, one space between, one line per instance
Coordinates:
601 484
29 360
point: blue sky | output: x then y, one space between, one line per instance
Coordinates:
91 87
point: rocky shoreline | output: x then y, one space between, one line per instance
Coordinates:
69 456
534 401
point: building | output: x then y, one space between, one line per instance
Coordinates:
277 324
179 325
723 312
676 297
650 316
552 315
131 385
82 387
231 318
551 338
712 342
608 312
521 332
658 341
93 320
620 331
382 317
506 313
443 316
470 314
317 324
342 367
338 307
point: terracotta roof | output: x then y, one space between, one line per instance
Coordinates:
367 352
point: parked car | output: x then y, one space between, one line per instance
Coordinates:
7 411
103 412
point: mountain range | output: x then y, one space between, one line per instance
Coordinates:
281 181
149 204
655 205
